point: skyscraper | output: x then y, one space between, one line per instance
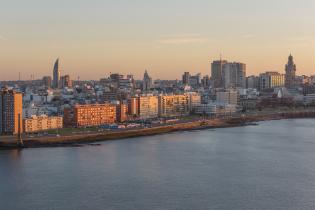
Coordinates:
56 74
234 75
290 72
216 73
147 82
10 112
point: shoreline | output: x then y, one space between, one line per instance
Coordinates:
86 139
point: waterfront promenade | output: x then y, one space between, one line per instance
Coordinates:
194 124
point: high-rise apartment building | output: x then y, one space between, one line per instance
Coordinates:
217 73
290 72
234 75
56 74
10 112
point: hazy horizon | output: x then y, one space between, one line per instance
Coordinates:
94 38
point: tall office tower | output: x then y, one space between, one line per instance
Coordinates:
186 77
290 72
234 75
56 74
216 73
10 112
147 82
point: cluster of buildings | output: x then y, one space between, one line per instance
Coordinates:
57 102
11 116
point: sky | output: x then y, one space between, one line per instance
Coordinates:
94 38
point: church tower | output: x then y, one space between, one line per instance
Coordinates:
290 72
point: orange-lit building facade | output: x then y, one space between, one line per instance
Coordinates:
10 112
42 123
133 106
122 112
90 115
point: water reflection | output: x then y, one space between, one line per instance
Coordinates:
270 166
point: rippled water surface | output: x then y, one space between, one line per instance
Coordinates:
269 166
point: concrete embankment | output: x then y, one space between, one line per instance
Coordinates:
196 125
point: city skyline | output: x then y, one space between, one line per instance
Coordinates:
56 72
167 39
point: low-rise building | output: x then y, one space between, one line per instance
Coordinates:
65 82
215 109
42 123
228 97
194 100
271 80
309 99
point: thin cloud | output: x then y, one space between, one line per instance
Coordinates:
301 41
248 36
183 39
3 38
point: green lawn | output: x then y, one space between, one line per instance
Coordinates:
68 131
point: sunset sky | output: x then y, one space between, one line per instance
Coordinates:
95 37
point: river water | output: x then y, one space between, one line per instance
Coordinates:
269 166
